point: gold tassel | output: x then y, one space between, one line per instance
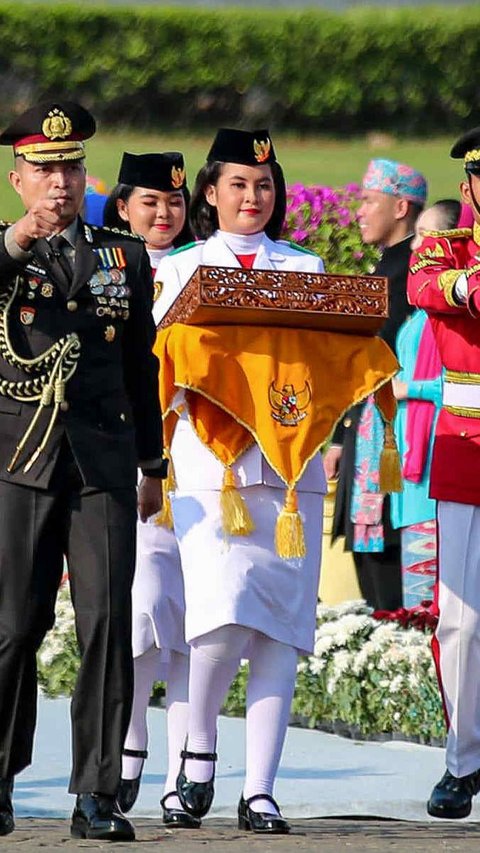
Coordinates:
164 518
236 518
289 534
390 467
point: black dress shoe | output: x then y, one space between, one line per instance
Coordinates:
195 797
177 818
261 821
7 823
128 788
94 816
452 796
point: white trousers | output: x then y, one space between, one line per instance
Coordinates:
458 631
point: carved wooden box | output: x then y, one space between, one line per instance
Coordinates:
230 296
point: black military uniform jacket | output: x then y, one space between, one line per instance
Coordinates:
110 412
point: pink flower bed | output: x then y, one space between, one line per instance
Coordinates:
324 220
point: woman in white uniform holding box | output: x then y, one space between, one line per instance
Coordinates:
151 199
242 599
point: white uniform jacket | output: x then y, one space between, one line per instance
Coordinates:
195 466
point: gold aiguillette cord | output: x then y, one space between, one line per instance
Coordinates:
53 390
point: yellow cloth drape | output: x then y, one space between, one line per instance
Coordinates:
283 388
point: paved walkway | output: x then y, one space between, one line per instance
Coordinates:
334 791
221 836
321 775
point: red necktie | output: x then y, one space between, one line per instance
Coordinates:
246 260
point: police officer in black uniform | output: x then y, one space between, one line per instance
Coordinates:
79 412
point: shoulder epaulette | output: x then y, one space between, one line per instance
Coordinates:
451 232
120 231
298 248
185 247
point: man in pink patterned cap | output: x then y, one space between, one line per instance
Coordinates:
393 195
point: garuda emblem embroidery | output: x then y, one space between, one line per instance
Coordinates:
262 150
178 177
289 405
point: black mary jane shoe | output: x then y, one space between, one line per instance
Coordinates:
195 797
261 821
128 788
95 816
177 818
452 796
7 823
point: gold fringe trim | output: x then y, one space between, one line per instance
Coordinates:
462 411
390 467
449 232
236 518
164 518
289 533
460 377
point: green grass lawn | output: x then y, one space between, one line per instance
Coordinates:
310 160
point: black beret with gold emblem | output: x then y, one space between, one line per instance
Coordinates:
468 147
249 148
164 172
51 131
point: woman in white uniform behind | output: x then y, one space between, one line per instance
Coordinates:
242 600
151 199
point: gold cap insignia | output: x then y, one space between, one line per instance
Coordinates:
178 177
262 150
110 334
56 125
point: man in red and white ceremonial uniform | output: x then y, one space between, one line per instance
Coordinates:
444 279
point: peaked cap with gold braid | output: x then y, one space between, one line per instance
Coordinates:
468 148
50 132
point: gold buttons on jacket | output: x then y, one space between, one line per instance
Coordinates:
347 422
464 433
72 305
64 406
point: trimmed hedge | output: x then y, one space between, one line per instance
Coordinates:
400 70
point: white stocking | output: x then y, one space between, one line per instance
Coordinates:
145 671
214 661
271 683
177 720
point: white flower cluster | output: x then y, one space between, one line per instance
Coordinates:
370 673
374 676
58 655
54 643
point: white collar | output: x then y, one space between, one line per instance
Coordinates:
242 244
156 256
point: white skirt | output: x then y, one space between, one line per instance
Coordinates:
158 599
240 580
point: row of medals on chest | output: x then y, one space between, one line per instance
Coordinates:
107 287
